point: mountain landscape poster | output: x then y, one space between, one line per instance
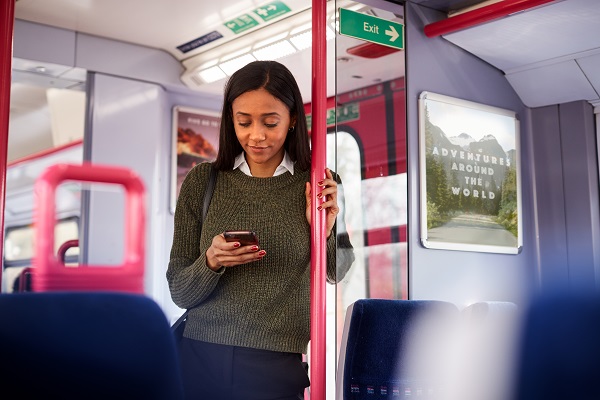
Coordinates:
470 181
195 140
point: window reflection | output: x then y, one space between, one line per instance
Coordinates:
368 150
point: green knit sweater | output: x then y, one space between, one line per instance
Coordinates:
263 304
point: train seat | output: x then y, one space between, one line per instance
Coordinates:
377 355
477 361
12 278
486 310
86 345
87 332
559 348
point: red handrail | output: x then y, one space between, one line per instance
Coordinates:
62 250
27 272
50 273
7 21
480 15
318 249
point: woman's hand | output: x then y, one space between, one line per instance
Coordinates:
328 195
222 253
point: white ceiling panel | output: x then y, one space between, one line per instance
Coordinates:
163 24
590 66
553 84
552 31
549 54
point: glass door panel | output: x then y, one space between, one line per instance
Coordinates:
367 148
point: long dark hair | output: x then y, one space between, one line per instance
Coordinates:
276 79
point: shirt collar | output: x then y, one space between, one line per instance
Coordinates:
286 165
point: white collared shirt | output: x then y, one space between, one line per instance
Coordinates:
286 165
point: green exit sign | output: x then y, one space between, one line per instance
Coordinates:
343 113
371 29
272 10
241 23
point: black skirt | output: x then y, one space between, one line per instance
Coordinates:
220 372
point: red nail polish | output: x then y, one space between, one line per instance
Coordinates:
320 183
262 253
254 248
236 244
320 195
319 208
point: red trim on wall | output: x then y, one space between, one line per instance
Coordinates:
44 153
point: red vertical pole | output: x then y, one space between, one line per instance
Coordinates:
318 248
7 21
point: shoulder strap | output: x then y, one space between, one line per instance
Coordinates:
210 188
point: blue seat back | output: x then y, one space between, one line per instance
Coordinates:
559 351
373 361
85 346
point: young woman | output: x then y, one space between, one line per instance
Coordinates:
249 311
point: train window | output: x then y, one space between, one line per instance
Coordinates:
19 242
19 248
370 155
347 165
367 147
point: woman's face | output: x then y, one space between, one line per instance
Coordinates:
261 124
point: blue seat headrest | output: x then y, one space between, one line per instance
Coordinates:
86 345
377 337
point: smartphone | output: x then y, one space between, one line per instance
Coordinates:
244 237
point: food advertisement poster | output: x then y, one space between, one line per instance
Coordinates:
195 140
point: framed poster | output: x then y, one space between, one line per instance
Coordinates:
195 140
470 176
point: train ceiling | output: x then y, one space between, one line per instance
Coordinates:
194 32
550 54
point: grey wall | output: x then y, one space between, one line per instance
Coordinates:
435 65
131 126
566 187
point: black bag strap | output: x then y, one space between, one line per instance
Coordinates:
210 188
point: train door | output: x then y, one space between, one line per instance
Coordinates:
367 147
